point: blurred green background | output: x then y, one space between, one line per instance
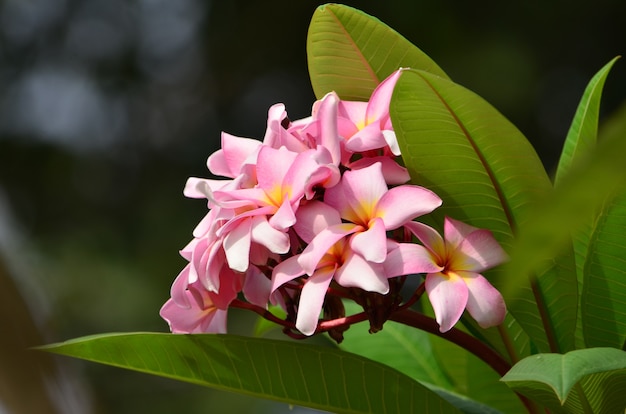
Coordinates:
107 106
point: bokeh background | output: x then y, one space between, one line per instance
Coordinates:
107 106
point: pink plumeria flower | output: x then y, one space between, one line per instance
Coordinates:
363 199
462 255
201 316
338 262
367 125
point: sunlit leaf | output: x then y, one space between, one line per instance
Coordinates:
412 352
295 373
587 380
350 52
487 174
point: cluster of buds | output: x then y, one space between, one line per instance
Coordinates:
319 212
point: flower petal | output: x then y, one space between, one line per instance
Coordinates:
409 258
235 152
485 303
326 115
363 189
358 272
312 300
237 246
393 172
378 105
320 245
372 243
313 217
256 287
266 235
448 295
429 237
404 203
479 251
285 271
455 231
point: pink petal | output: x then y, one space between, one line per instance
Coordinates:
256 287
235 152
378 105
392 141
312 300
272 166
404 203
358 272
455 231
179 288
363 189
485 303
285 271
336 198
320 245
328 133
429 237
372 243
284 217
313 217
479 251
353 111
368 138
448 295
393 172
266 235
276 135
237 246
409 258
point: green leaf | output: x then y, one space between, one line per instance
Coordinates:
350 52
313 376
583 191
583 133
399 346
488 174
581 139
583 381
604 287
411 352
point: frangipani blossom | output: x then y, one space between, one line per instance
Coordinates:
462 255
367 125
362 198
337 262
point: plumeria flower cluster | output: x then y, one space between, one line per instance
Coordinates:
317 212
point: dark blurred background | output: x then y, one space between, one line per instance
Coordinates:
107 106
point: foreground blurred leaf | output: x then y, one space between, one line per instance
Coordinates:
296 373
587 380
487 173
581 139
350 52
581 193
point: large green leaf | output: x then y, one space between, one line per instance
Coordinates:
296 373
487 174
581 139
583 381
350 52
445 371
